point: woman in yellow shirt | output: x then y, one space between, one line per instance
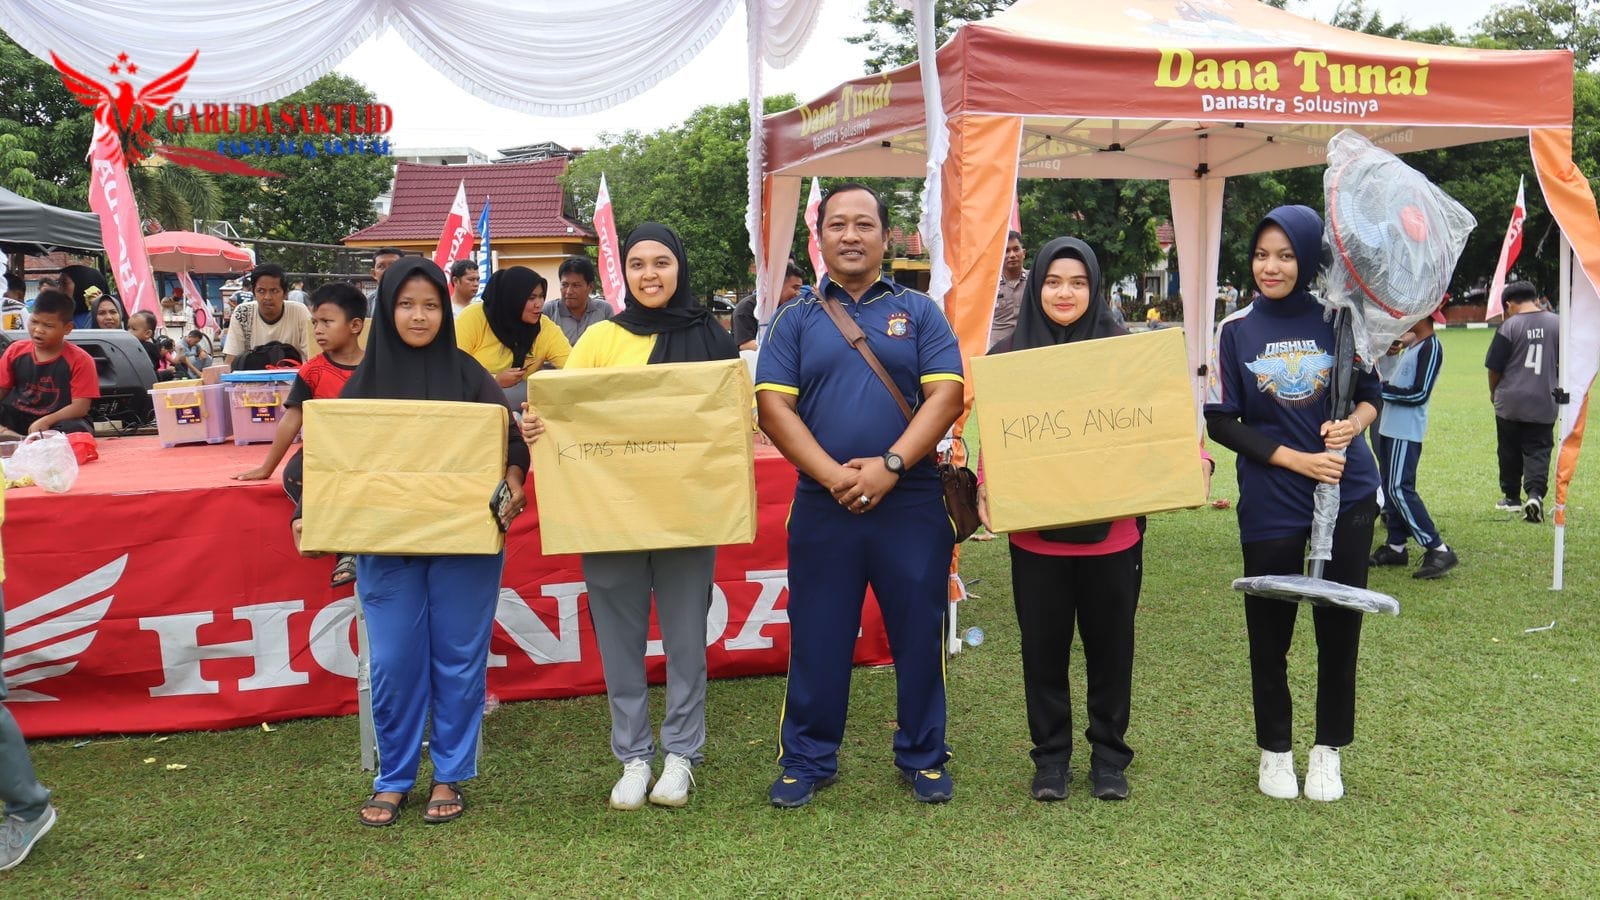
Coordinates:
505 332
661 323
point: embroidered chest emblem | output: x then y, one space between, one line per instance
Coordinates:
899 325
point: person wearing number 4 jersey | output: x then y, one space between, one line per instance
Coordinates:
1522 363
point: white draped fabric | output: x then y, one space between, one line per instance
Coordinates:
545 57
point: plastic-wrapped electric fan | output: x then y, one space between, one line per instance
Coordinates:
1393 238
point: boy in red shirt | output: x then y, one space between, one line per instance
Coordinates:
338 314
47 383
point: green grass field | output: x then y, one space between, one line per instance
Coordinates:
1473 772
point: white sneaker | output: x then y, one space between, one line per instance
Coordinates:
1322 774
630 788
1277 775
672 788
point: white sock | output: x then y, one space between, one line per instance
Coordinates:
1398 548
1442 548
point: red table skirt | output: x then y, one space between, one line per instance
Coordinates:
160 595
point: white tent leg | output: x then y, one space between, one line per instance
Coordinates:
1197 227
1563 368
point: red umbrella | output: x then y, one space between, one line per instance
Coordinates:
187 251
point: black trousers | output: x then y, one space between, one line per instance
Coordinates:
1271 627
1524 452
294 476
20 422
1100 594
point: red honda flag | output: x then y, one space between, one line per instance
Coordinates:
812 246
605 228
111 198
1509 250
455 241
202 312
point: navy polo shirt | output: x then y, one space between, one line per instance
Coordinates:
840 399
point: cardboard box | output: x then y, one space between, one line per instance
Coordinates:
402 477
644 457
1088 432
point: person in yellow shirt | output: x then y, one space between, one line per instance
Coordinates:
661 322
506 332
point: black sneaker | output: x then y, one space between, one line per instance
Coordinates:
1386 555
1508 504
1533 509
1050 781
1106 782
1436 563
929 785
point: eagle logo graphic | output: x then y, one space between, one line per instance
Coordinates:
1294 377
46 636
128 114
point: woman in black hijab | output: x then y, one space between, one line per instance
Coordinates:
661 323
428 617
75 280
506 333
1088 575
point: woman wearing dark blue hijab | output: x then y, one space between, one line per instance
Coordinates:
1270 404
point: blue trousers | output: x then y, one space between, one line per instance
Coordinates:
902 551
428 620
20 789
1404 514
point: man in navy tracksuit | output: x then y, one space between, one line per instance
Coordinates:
868 509
1404 422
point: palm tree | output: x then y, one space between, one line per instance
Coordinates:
174 195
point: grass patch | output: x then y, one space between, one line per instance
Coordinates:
1473 769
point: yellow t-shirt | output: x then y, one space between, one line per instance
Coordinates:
474 336
607 344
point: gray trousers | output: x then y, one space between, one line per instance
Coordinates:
619 604
21 791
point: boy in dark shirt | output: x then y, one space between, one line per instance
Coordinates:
338 314
45 382
1522 363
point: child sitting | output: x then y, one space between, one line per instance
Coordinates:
142 325
338 313
47 383
166 358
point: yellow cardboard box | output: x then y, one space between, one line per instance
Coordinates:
644 457
402 476
1088 432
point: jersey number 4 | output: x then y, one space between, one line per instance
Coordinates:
1535 360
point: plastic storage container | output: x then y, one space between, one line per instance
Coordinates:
188 412
255 402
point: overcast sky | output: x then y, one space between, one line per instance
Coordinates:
430 111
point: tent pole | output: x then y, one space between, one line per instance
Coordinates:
1564 349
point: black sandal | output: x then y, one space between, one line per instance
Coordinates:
344 571
459 801
393 809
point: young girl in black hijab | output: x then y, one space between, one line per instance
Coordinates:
428 617
660 323
1090 574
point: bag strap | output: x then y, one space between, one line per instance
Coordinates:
858 339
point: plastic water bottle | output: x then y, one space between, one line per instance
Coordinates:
972 636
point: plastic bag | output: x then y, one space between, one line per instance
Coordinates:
1392 239
47 458
1317 591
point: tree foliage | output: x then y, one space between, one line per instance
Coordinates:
39 116
891 38
690 177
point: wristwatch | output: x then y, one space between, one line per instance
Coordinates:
894 463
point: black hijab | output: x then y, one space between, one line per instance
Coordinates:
83 278
393 369
685 331
94 311
504 298
1035 329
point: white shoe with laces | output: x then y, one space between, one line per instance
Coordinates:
630 788
672 788
1323 781
1277 775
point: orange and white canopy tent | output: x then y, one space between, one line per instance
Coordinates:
1191 91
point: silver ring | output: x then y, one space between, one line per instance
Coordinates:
864 500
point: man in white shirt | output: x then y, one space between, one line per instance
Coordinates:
267 317
463 284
